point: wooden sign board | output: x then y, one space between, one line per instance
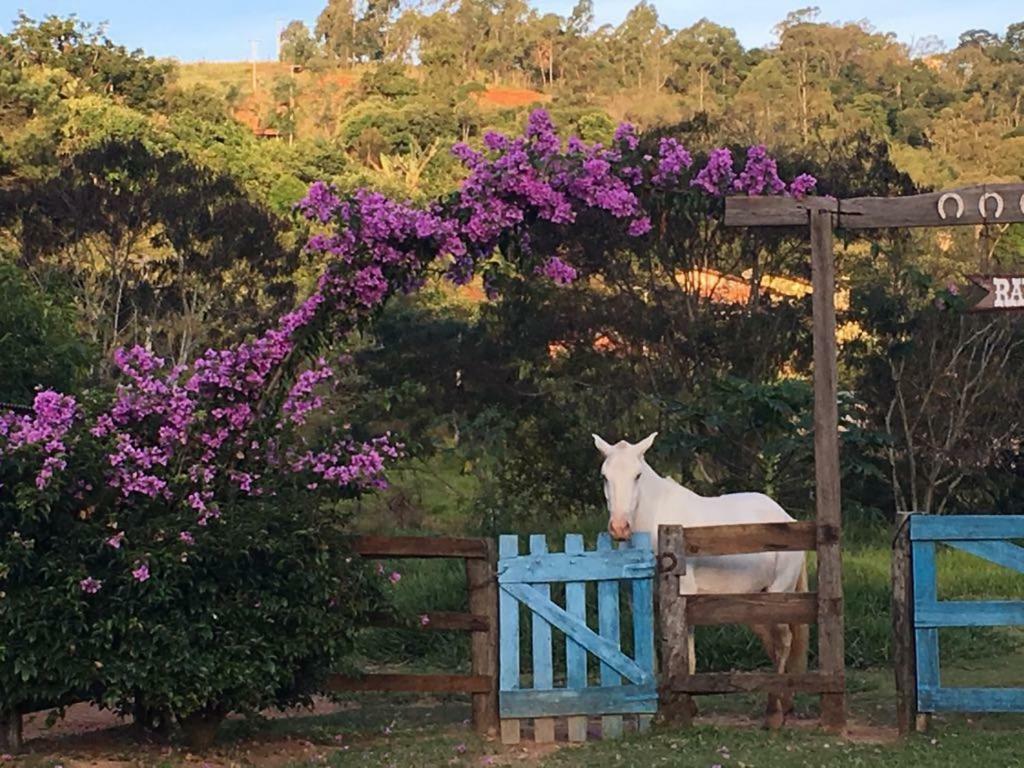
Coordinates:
981 204
1002 293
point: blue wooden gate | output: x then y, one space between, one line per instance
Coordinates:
987 537
525 580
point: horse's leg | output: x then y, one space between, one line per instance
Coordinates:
782 634
773 709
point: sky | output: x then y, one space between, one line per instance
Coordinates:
223 30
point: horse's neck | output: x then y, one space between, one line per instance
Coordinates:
662 501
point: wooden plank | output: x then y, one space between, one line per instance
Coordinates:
643 619
980 204
1004 553
608 623
967 527
607 649
756 608
904 665
826 466
614 700
543 674
743 211
1003 293
508 616
482 584
973 700
676 708
763 682
971 613
576 654
412 683
588 566
419 546
923 554
751 537
438 621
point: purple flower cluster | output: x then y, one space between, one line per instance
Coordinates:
761 174
559 271
302 399
802 185
349 464
673 161
716 177
45 428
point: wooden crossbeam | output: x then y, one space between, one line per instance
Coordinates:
751 537
760 682
419 547
759 608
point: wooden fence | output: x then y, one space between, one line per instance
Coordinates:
481 621
679 612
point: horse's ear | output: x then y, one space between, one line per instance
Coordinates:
644 445
602 446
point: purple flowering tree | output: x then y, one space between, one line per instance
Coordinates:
166 487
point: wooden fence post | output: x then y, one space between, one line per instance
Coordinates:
904 658
482 583
831 651
675 708
10 730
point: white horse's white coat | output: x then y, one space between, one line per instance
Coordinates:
640 500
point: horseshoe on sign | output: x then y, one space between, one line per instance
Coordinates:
946 198
985 198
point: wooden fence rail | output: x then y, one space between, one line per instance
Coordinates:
677 613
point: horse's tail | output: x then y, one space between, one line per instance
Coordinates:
801 632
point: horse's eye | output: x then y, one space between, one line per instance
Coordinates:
637 479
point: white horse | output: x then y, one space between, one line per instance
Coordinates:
640 500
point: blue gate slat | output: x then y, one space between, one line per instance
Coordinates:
948 528
926 640
971 613
587 566
607 650
608 623
543 674
575 606
508 608
615 700
643 608
1004 553
973 700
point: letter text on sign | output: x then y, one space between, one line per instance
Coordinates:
1002 292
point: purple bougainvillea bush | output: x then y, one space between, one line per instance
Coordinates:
172 540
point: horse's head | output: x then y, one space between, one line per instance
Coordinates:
623 463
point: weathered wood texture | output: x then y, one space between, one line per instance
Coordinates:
982 204
412 683
419 547
956 528
761 682
675 708
759 608
749 538
481 581
1003 293
10 731
904 663
826 466
741 211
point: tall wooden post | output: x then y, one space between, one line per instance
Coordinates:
481 580
903 657
10 731
674 708
826 467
